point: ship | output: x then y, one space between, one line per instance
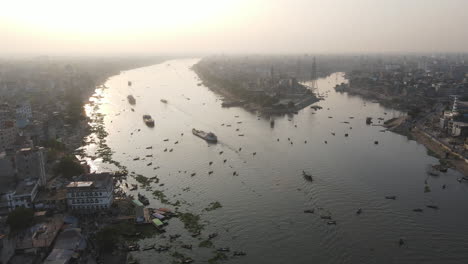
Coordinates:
131 99
164 101
148 120
210 137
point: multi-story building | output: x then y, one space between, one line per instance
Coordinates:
22 196
8 134
30 164
90 192
23 111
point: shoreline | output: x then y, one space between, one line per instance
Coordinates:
250 106
403 126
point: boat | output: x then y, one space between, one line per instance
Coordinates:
143 199
239 253
131 99
129 83
148 120
307 176
369 120
164 101
226 249
210 137
390 197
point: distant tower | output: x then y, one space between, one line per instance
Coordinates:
313 76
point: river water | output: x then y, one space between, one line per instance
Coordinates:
262 207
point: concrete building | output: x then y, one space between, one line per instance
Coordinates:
8 133
23 111
24 194
90 193
21 195
459 129
30 164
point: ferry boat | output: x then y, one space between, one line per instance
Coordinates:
164 101
148 120
131 99
210 137
143 199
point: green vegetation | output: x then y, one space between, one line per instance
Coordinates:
191 222
68 167
161 197
213 206
20 218
427 189
107 238
145 182
54 144
217 257
206 244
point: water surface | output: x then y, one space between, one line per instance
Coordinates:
262 211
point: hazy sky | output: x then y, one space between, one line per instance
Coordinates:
232 26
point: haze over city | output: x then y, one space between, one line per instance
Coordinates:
233 131
232 26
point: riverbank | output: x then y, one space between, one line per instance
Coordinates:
234 95
404 126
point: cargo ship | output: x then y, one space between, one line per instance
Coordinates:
210 137
148 120
131 99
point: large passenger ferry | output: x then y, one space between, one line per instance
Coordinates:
210 137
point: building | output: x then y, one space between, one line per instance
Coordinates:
90 193
24 194
7 167
459 129
8 133
23 111
21 195
30 164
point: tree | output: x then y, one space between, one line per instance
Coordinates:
68 167
107 238
20 218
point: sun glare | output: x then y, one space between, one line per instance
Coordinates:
108 16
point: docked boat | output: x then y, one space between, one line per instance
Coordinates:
164 101
131 99
143 199
148 120
210 137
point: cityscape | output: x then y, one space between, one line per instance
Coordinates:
215 133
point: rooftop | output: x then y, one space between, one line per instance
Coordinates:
80 184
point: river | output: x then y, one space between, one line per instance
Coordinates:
262 206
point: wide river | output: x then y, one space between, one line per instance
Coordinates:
262 206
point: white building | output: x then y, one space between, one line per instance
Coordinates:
22 196
90 192
30 164
25 193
